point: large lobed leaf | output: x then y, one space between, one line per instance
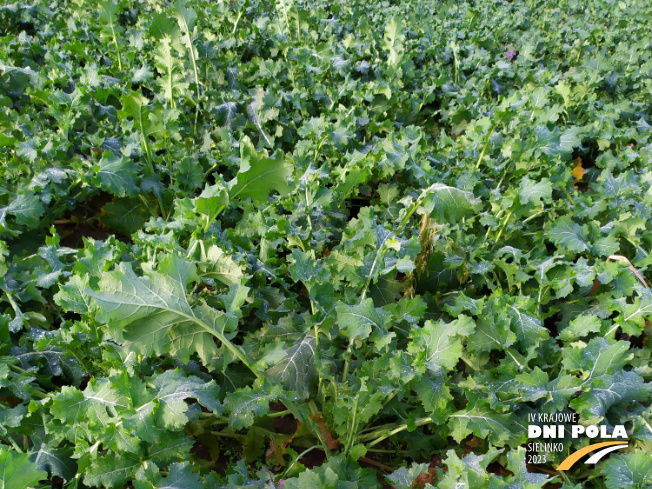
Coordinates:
16 471
152 314
259 174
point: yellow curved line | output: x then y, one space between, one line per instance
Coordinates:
571 459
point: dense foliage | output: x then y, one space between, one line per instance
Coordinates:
240 238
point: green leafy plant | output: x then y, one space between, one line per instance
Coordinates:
290 244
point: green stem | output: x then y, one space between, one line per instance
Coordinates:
210 219
349 441
12 442
117 47
235 26
300 456
486 236
14 306
500 182
17 369
520 366
207 172
228 435
347 361
389 398
144 201
81 362
456 75
170 69
536 214
468 362
196 73
502 228
150 164
380 435
279 414
148 152
486 144
317 150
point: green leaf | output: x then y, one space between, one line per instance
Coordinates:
522 478
597 358
528 329
172 81
535 385
173 390
162 26
168 447
393 41
356 408
125 215
56 461
533 192
117 175
296 371
446 203
604 383
629 471
462 303
306 269
259 174
99 401
107 11
27 209
439 345
185 16
569 235
470 471
602 393
220 266
434 396
111 470
243 404
136 107
358 320
16 471
499 429
491 334
403 478
212 200
580 327
11 418
571 138
605 246
338 472
180 476
633 316
152 314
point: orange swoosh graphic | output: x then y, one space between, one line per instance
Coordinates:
571 459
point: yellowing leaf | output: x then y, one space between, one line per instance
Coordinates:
578 172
